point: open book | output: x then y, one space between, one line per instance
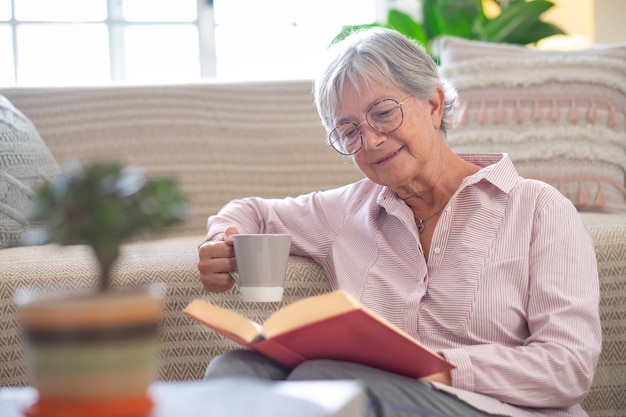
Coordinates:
328 326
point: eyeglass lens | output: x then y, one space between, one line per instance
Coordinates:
384 116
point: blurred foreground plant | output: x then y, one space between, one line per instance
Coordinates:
102 205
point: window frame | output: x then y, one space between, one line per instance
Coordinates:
116 24
204 24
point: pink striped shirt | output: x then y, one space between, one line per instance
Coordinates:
509 293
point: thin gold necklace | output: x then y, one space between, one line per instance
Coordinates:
420 222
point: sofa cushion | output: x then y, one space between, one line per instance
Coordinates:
559 114
609 237
187 346
25 161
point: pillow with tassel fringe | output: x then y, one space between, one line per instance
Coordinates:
560 115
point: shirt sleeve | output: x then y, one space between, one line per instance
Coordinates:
554 367
312 219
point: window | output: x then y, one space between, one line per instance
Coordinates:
96 41
6 57
61 42
280 38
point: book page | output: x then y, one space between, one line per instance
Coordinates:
223 319
308 310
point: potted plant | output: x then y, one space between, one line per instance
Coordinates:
517 22
95 353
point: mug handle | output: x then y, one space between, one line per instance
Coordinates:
235 276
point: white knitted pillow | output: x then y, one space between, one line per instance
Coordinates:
25 161
560 115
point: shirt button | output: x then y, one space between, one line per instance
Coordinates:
448 209
437 250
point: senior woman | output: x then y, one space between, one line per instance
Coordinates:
495 272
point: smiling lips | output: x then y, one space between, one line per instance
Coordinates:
388 157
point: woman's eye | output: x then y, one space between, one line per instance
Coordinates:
384 114
351 134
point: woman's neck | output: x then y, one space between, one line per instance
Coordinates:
427 196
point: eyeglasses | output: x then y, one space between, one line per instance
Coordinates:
384 116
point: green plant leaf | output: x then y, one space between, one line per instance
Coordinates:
519 16
405 24
347 30
453 17
434 17
431 17
518 22
540 30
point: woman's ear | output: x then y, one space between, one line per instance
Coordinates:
436 102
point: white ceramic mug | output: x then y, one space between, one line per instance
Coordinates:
262 264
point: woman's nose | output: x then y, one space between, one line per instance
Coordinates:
372 138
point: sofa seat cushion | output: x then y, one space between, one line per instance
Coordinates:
561 115
187 346
609 236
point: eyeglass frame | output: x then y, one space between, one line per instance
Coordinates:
358 126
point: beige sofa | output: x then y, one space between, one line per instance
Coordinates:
223 141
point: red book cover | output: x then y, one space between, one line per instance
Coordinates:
329 326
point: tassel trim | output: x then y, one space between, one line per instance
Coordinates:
581 109
587 186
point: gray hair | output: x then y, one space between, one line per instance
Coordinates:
380 55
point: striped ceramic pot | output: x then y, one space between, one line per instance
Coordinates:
92 354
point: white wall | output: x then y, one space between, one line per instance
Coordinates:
609 21
587 22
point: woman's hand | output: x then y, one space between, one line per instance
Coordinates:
442 377
216 259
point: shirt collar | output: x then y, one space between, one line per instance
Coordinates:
496 168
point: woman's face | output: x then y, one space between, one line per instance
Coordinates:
399 158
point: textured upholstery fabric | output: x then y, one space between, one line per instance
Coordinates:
561 116
187 346
25 161
607 397
220 141
223 141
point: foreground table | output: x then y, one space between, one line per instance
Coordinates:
232 397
